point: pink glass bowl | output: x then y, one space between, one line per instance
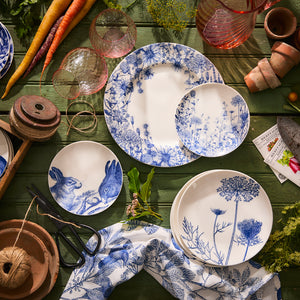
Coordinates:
113 33
83 71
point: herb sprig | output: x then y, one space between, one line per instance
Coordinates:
282 249
26 14
140 206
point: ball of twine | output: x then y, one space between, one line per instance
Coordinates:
15 267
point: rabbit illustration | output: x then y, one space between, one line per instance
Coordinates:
110 186
64 188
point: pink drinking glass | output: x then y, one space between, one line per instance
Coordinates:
226 24
112 33
83 71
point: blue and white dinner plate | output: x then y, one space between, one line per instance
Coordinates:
212 119
11 53
4 46
141 98
224 217
85 178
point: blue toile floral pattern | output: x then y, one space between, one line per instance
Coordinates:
217 132
10 56
127 248
68 191
130 78
237 188
4 50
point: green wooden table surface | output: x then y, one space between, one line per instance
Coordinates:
233 65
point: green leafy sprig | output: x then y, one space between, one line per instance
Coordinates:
171 14
27 15
140 206
282 249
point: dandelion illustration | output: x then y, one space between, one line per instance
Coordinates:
249 229
239 189
217 229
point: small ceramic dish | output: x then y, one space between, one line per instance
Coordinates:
212 119
85 178
39 261
53 255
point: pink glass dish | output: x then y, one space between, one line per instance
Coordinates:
83 71
112 33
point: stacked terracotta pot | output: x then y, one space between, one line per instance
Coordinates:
267 73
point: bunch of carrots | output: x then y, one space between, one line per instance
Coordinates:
61 17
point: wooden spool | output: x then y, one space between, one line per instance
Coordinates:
34 117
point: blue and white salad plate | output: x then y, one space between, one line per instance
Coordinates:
142 95
85 178
10 57
4 152
223 217
212 119
4 46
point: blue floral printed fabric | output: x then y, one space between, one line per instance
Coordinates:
127 248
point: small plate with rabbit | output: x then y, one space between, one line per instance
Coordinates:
85 178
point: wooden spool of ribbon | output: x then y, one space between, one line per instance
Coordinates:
34 117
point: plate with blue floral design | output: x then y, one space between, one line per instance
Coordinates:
85 178
223 217
4 49
11 53
142 95
212 119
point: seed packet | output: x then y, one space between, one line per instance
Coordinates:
264 144
282 159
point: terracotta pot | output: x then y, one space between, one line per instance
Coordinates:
255 80
280 23
283 58
297 38
50 244
268 73
39 261
288 50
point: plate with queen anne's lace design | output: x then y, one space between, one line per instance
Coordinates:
212 119
142 95
223 217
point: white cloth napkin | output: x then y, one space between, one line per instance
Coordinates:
127 248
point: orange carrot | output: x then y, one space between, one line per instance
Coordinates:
72 11
55 10
85 9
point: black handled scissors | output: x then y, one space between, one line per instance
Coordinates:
60 224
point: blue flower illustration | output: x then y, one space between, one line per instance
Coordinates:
238 188
218 229
249 229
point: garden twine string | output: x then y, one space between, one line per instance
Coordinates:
15 261
70 122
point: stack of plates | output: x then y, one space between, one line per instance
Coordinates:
166 105
221 217
6 151
6 50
